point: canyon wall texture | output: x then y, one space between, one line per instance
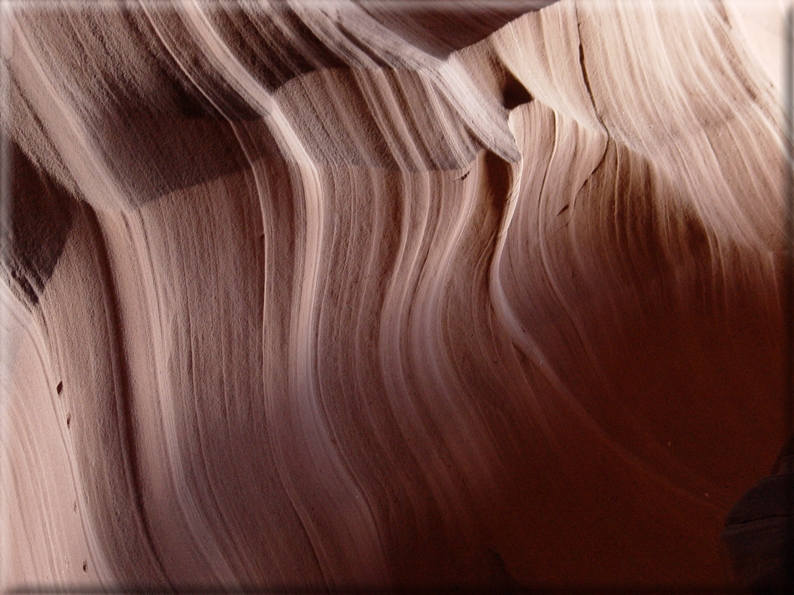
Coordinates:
352 293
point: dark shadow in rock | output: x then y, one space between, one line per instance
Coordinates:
498 173
38 217
155 155
514 93
757 537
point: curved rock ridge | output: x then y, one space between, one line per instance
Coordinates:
331 294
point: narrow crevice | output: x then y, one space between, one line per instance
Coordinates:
585 76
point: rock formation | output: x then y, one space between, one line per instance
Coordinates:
368 294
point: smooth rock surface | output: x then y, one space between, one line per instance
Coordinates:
308 294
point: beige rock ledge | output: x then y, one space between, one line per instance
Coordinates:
374 294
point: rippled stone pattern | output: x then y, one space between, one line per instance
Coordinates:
369 293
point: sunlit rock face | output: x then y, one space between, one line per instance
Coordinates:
342 294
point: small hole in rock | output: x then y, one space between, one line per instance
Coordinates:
85 566
59 388
514 93
68 419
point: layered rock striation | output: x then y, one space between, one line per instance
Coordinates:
358 294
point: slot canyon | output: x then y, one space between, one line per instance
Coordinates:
333 294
